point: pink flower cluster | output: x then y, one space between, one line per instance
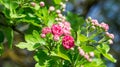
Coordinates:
57 30
102 25
68 42
87 56
105 27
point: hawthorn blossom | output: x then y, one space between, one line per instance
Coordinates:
68 42
46 30
57 30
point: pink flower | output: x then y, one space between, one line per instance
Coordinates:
104 26
110 35
91 54
46 30
57 30
43 35
51 8
42 4
56 37
68 42
66 28
95 22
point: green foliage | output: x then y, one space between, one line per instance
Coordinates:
48 52
33 41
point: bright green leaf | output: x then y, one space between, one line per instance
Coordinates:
57 1
83 38
28 46
109 57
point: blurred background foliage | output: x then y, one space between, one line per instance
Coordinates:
103 10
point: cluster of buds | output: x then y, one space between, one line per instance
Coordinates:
42 4
57 30
103 26
87 56
63 6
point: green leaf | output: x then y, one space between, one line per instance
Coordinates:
103 48
37 65
9 35
41 57
82 38
75 20
57 1
62 55
88 48
28 46
1 49
109 57
1 36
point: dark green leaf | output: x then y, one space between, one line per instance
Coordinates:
1 36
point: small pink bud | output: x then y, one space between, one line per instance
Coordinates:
43 35
64 6
86 56
60 15
110 35
56 37
95 22
33 4
56 19
104 26
90 60
93 27
42 4
58 11
51 8
91 54
110 41
82 53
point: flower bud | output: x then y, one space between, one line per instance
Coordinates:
104 26
33 4
56 37
110 41
91 54
58 11
86 56
51 8
42 4
82 53
43 35
60 15
90 60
